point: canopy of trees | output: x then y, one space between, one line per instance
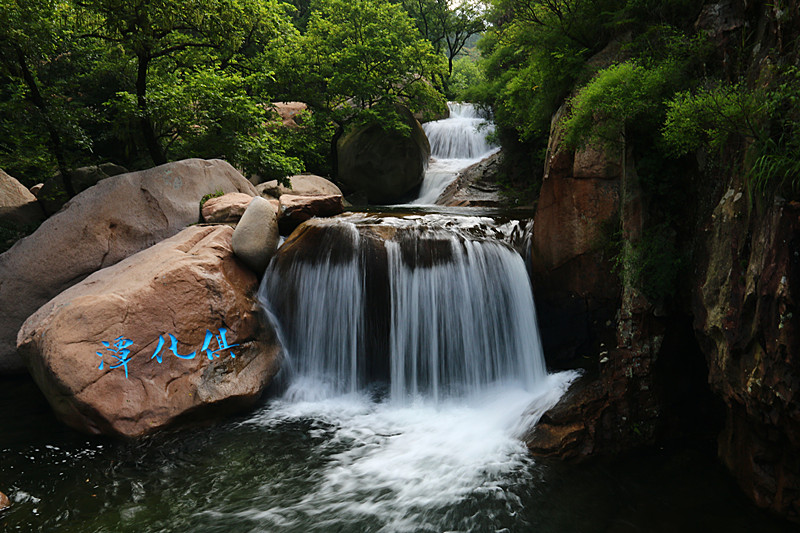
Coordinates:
143 82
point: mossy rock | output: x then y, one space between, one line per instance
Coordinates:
385 166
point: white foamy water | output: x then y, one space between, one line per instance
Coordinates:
402 466
456 143
414 366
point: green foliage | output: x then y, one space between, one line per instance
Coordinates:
209 114
627 99
448 25
710 116
466 75
209 196
777 166
764 120
653 263
310 142
11 232
618 96
41 129
358 59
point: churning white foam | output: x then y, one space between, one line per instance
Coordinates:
394 463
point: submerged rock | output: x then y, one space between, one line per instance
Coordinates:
383 166
99 227
170 335
475 186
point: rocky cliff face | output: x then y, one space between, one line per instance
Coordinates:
590 315
742 288
747 322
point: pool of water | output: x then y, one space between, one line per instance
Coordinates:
354 463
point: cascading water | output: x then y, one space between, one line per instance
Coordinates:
437 309
456 143
411 344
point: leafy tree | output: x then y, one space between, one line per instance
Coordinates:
466 74
447 25
359 58
34 41
198 87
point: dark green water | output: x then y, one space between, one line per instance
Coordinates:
283 469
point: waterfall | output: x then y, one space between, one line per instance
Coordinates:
414 369
432 305
456 143
460 136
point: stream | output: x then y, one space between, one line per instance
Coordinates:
413 368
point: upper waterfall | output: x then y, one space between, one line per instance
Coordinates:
463 135
456 143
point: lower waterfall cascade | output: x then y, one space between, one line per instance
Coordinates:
451 314
415 339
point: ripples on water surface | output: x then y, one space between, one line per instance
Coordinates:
350 464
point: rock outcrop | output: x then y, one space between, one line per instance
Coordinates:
741 291
169 335
289 113
99 227
17 204
227 208
383 166
300 185
572 272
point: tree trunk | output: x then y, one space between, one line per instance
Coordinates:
146 125
54 139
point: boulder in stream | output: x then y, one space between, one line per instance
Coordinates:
383 166
256 236
169 335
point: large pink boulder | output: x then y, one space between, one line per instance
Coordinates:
102 225
170 334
